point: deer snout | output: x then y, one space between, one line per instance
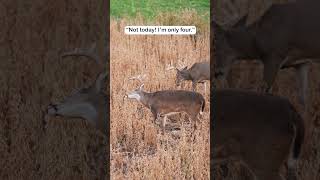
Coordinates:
52 109
130 96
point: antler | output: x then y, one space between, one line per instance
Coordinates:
170 67
181 64
87 52
91 54
138 77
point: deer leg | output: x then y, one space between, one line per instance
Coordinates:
155 114
164 123
192 123
198 120
103 159
272 65
291 168
302 71
194 85
194 119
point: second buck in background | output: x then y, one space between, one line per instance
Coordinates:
167 102
198 73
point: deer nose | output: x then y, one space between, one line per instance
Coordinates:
52 108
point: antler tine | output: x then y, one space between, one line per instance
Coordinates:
181 65
87 52
169 67
138 77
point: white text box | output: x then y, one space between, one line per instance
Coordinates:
160 30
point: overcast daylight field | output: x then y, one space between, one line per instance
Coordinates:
138 149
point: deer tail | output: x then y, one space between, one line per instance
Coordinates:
203 104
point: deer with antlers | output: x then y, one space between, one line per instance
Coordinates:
169 102
198 73
87 103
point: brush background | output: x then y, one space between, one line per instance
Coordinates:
32 35
138 150
247 75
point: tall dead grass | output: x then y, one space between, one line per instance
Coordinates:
32 35
138 149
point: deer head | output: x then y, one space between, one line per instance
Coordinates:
86 103
182 72
137 93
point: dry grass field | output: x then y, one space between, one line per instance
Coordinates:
247 75
32 35
138 149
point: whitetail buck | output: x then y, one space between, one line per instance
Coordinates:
198 73
87 103
260 131
167 102
285 34
225 56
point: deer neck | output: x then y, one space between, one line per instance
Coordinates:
186 74
102 123
146 99
99 105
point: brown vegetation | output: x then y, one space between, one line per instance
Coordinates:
138 150
247 75
32 35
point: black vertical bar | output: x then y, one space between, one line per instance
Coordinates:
212 85
106 6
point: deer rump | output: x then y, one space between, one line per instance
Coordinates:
257 129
